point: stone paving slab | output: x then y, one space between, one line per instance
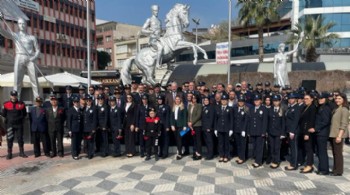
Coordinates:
136 176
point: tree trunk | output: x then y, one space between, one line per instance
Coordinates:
311 55
261 44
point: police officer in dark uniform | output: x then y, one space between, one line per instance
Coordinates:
259 88
208 117
163 112
14 112
241 118
292 119
322 130
68 98
38 127
267 89
75 124
115 125
90 126
142 113
224 128
102 124
276 130
82 90
258 122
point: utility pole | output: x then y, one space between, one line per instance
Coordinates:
229 41
88 41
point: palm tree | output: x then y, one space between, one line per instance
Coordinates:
315 35
261 14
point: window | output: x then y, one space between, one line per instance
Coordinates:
122 49
108 38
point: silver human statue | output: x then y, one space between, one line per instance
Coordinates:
27 52
173 44
280 70
153 28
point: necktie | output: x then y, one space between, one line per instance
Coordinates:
174 95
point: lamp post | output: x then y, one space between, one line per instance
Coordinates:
88 41
197 23
229 41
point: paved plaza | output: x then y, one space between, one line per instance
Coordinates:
135 176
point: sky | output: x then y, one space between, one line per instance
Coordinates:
137 11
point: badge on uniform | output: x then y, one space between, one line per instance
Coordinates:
90 111
163 109
206 111
261 112
102 109
292 110
115 110
242 113
227 110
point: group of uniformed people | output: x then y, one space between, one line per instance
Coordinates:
277 121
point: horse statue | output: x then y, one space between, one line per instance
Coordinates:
173 44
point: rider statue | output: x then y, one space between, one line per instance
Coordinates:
280 64
153 28
27 51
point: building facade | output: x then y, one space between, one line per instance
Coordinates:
60 27
110 33
337 11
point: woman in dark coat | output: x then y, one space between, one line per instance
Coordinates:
307 129
178 122
208 114
322 127
130 110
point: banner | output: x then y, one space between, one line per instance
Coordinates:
11 11
28 4
222 52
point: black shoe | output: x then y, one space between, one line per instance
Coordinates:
256 165
75 158
335 174
186 153
209 158
53 155
117 155
287 168
148 158
164 156
103 155
221 159
9 156
90 157
322 173
178 157
23 155
142 155
156 158
37 155
197 157
61 155
48 155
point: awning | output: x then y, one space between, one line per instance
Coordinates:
65 78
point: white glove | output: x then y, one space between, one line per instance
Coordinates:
230 133
291 135
282 137
216 133
243 133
